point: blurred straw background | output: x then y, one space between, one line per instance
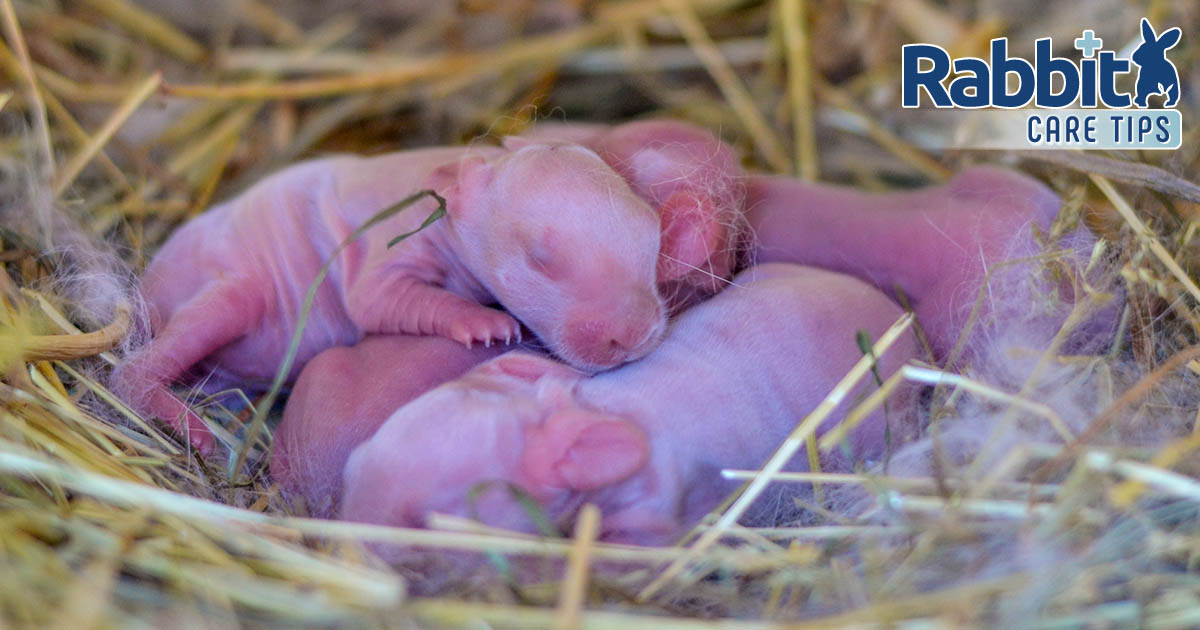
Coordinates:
134 116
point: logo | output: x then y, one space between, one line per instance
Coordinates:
1062 103
1156 75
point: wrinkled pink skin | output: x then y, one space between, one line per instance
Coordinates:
646 441
342 397
549 231
692 178
936 243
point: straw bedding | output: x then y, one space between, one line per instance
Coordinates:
119 120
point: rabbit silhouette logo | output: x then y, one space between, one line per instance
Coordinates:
1086 106
1156 74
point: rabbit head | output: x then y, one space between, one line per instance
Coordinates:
1154 48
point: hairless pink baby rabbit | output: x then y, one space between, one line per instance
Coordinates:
695 182
547 230
937 245
343 394
645 441
342 397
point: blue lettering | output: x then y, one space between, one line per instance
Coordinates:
1031 126
913 79
1110 67
1001 67
1144 125
970 90
1087 91
972 83
1053 129
1164 134
1047 67
1072 131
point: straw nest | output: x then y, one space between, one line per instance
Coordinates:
133 117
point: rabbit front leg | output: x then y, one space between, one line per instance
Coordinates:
399 303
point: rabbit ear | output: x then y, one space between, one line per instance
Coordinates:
1169 38
1147 32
